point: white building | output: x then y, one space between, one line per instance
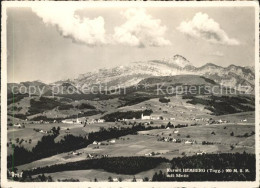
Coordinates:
42 131
101 120
112 141
188 142
95 142
17 125
201 153
145 117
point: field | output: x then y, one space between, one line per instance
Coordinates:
202 133
29 133
146 142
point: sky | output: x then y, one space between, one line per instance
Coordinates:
58 43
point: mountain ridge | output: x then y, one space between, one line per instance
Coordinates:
124 76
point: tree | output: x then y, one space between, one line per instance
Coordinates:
110 179
95 180
232 134
155 177
134 180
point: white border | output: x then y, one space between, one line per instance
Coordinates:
126 4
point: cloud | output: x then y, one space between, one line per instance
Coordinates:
80 29
140 29
201 26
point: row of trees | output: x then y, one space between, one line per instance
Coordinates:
119 165
112 117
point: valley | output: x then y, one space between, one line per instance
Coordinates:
135 132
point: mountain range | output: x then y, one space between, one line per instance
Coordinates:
129 75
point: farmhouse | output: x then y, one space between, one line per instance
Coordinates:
145 117
13 174
201 153
95 142
188 142
76 153
115 180
112 141
100 120
17 125
42 131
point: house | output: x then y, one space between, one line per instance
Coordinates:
172 118
201 153
188 142
115 180
245 120
42 131
166 140
112 141
168 128
145 117
75 153
100 120
95 142
175 131
174 140
91 121
13 174
17 125
77 121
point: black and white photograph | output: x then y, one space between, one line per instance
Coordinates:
126 94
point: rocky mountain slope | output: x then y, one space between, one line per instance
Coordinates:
240 78
232 76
